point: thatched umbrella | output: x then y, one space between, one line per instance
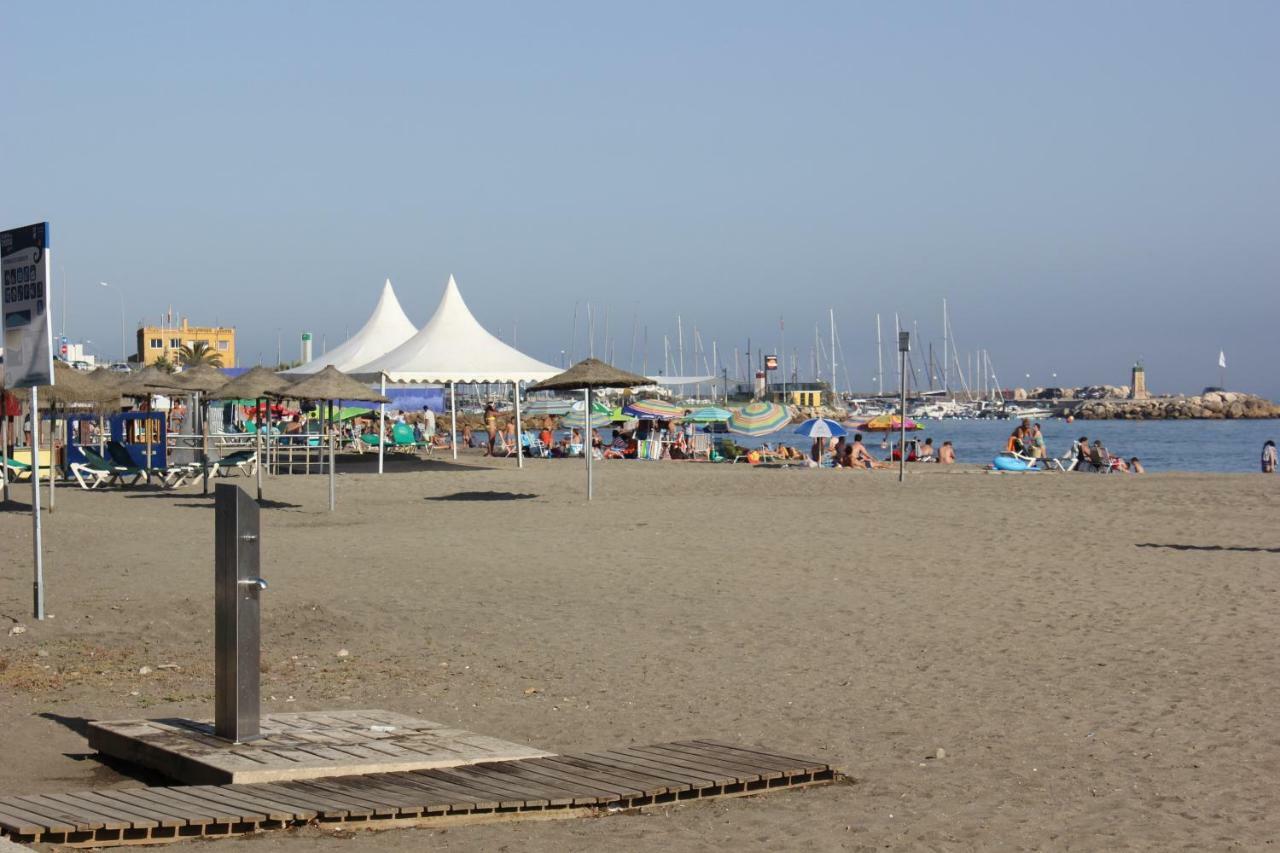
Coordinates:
256 384
199 380
141 383
587 375
326 386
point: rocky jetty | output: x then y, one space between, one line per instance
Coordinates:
1212 405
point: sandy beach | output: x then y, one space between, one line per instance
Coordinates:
1095 655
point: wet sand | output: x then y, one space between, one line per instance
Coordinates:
1096 655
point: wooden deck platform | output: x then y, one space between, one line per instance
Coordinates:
546 787
298 746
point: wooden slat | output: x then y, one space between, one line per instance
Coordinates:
694 779
580 795
51 819
20 824
156 800
655 783
254 802
784 765
142 818
554 794
717 772
465 792
434 798
328 805
74 816
508 796
609 778
606 791
210 795
321 788
220 812
529 793
743 770
809 764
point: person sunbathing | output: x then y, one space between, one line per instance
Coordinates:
925 453
947 454
1135 466
862 456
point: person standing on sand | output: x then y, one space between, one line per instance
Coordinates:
1269 457
428 422
490 426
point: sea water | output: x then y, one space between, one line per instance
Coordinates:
1220 446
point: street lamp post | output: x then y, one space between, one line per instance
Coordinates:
124 352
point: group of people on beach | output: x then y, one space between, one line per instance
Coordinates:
843 453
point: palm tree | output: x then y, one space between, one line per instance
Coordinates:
164 364
198 352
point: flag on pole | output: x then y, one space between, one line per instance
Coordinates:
1222 359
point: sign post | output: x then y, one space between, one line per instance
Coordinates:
26 335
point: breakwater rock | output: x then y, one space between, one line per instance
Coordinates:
1213 405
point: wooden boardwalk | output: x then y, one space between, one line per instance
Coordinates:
552 786
298 746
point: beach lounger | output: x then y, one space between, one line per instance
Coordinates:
15 470
246 461
171 477
96 470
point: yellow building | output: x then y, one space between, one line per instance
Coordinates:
156 342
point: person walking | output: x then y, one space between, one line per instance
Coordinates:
1269 457
491 426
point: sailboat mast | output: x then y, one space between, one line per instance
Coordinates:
832 312
879 359
946 353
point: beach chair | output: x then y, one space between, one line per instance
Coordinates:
96 470
1099 459
533 445
245 461
170 477
15 470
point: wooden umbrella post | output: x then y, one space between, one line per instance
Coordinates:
204 442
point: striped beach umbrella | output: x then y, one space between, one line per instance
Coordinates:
758 419
653 410
887 423
547 407
708 415
577 418
820 428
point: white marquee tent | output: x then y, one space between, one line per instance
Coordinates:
453 347
387 328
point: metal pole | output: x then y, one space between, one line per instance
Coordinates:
382 420
204 441
38 584
53 451
453 419
902 421
237 614
586 441
257 443
515 389
4 450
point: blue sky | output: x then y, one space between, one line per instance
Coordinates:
1087 183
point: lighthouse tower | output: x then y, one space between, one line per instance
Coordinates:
1138 387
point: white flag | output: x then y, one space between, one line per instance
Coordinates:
1222 359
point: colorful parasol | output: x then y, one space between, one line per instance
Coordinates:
708 415
653 410
887 423
758 419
